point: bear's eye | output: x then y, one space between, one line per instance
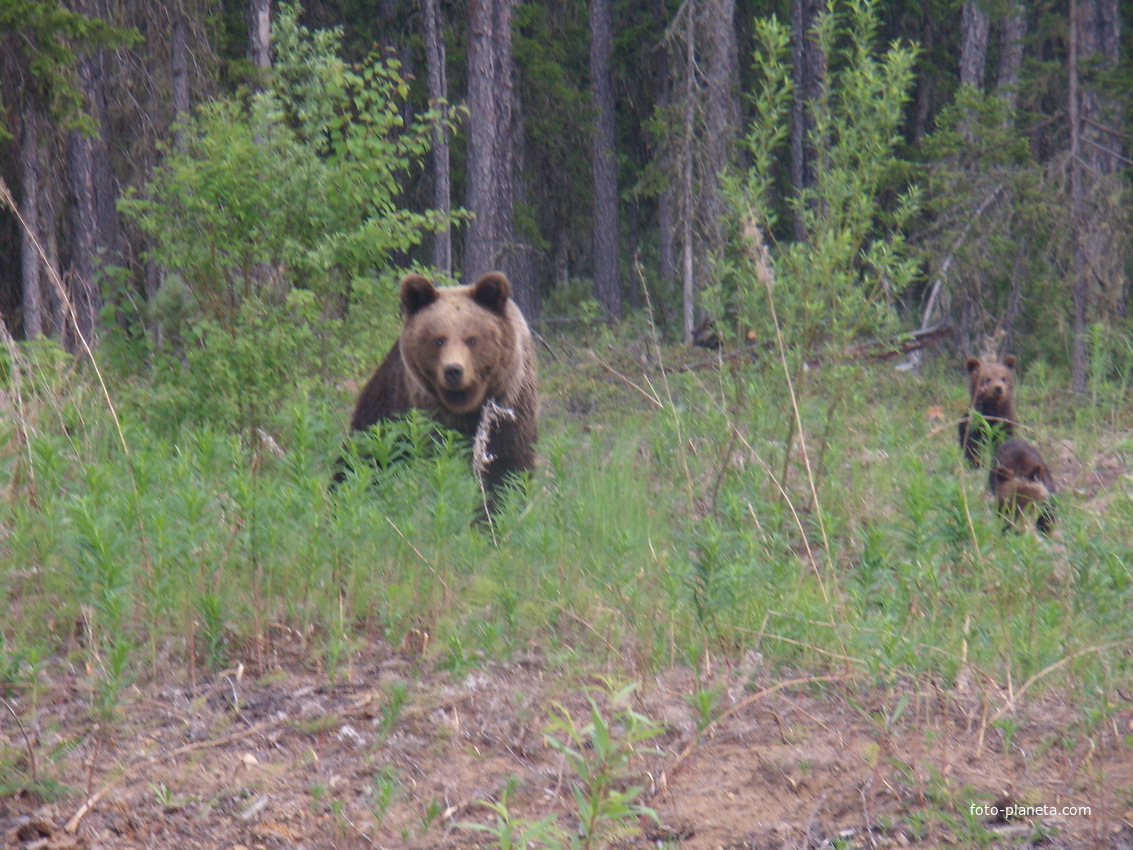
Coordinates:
439 341
471 342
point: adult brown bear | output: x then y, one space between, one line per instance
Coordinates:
465 356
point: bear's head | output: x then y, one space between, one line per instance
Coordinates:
991 385
462 344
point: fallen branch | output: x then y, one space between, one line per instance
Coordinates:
876 349
887 349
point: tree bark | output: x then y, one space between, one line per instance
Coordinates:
82 240
722 114
259 33
604 161
665 203
1077 213
92 233
974 28
490 243
1012 31
30 266
1098 27
561 261
179 62
1095 156
438 101
688 313
809 72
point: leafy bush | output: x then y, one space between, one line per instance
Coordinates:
273 217
844 278
808 300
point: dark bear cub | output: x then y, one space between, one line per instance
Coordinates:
465 356
1022 485
991 393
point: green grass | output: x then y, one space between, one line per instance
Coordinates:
656 530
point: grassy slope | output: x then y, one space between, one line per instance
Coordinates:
660 529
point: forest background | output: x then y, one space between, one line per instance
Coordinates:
585 145
204 214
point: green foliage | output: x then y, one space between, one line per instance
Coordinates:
995 217
844 279
273 216
812 298
600 754
51 39
647 538
512 833
549 47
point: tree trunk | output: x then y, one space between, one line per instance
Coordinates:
561 260
1012 31
259 33
54 308
492 154
180 72
975 27
30 265
92 233
1098 28
722 115
1095 156
665 203
438 101
603 161
82 236
1077 213
809 72
688 317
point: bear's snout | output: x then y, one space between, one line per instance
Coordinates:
453 376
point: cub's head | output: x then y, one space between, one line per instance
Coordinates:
460 342
991 383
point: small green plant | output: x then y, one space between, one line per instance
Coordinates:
391 709
704 702
430 813
600 753
318 791
511 833
381 793
1009 726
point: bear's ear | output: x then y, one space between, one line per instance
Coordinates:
417 293
1009 361
973 364
492 291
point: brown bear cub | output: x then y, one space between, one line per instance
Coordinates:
464 351
991 390
1022 485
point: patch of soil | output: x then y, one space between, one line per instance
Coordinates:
396 755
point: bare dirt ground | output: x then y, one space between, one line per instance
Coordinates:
284 760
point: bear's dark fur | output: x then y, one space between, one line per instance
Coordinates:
991 393
460 348
1022 485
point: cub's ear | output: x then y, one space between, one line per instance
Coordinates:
1009 361
973 364
1000 473
492 291
417 293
